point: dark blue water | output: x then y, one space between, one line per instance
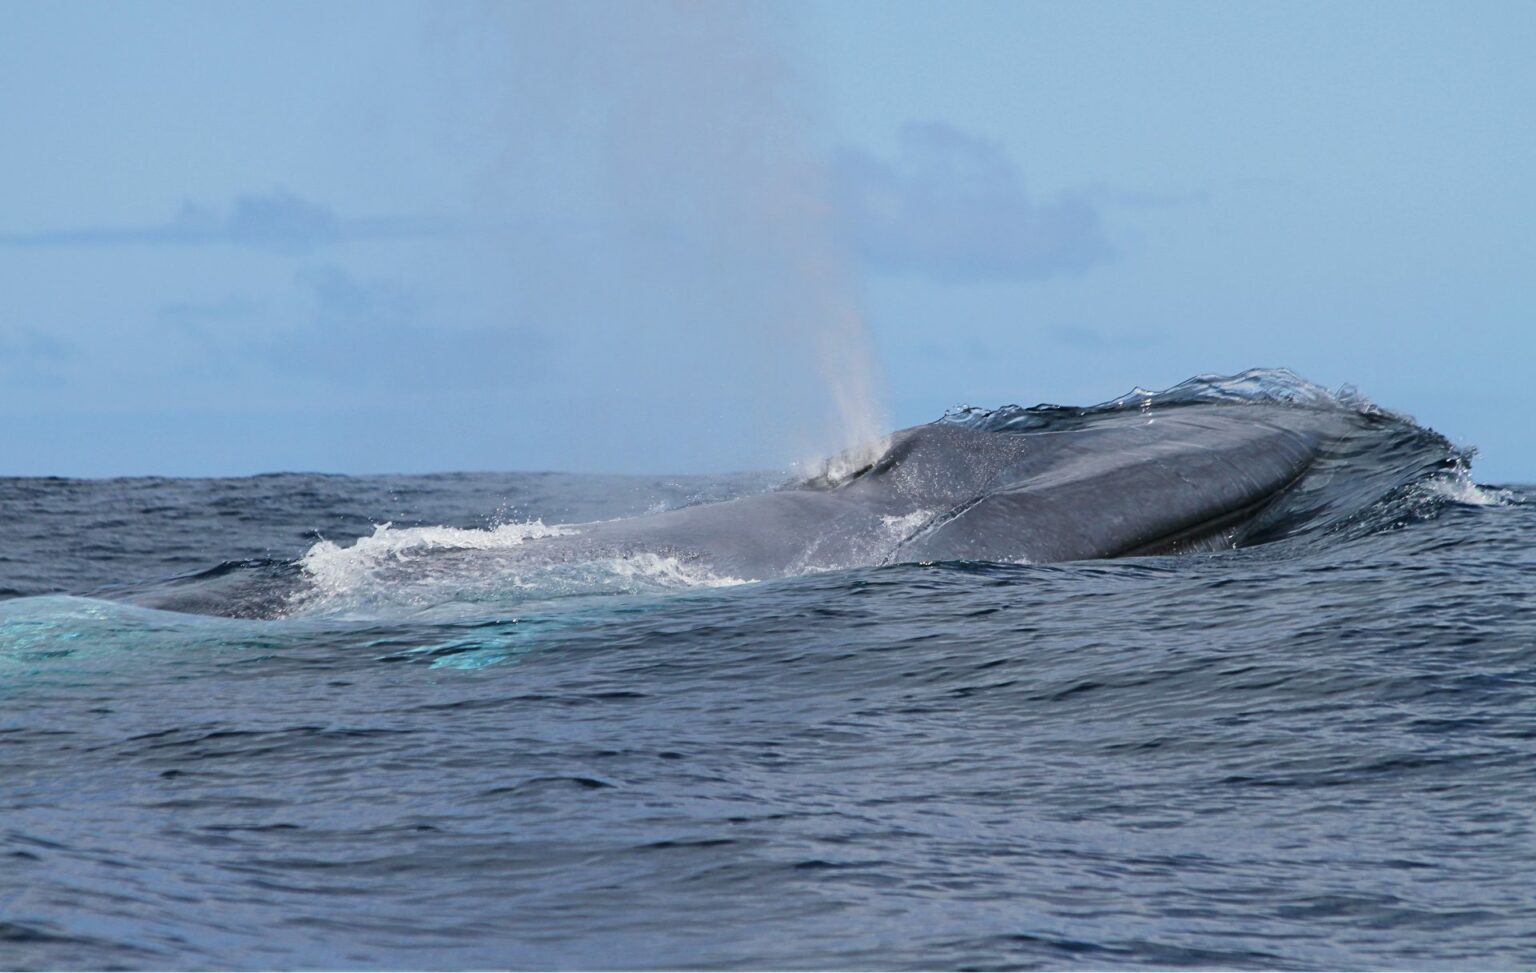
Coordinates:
391 752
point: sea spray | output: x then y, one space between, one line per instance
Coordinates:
689 248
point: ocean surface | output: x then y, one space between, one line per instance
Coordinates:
368 738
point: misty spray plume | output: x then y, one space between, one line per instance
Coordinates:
683 238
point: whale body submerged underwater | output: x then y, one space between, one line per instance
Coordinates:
1212 464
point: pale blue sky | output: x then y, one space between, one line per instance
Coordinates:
394 236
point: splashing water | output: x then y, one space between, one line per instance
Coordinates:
446 572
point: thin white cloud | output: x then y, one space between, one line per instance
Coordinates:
276 221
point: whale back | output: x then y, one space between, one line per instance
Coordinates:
1183 480
1186 479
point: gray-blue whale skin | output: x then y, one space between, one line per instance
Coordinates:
1134 484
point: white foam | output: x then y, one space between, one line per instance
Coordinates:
446 571
386 543
657 570
370 569
1461 489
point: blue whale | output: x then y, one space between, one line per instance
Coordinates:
1213 464
1188 478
